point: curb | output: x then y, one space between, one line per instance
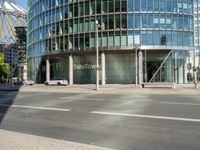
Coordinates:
10 90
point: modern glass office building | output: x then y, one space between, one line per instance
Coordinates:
197 33
138 40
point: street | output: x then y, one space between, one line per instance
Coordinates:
148 121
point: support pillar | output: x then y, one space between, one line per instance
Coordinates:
71 70
103 68
47 69
25 76
185 68
140 64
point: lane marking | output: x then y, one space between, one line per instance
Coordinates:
88 99
146 116
174 103
140 100
189 96
34 107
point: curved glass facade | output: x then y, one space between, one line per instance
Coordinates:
66 26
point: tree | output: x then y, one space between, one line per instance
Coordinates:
1 57
4 68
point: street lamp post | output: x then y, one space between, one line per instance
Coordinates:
97 56
137 47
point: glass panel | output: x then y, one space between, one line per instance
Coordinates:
120 68
85 69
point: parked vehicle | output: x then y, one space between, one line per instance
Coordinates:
19 83
24 82
29 82
57 81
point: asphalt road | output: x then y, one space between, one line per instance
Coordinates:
118 121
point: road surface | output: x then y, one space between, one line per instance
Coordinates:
132 121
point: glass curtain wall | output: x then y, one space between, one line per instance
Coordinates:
65 25
197 34
59 68
173 66
85 69
120 68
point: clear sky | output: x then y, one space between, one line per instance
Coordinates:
22 3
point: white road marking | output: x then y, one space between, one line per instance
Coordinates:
140 100
34 107
189 96
86 99
173 103
147 116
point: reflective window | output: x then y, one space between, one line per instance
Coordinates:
59 25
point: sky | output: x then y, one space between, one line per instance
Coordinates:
22 3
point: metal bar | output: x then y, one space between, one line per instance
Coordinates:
2 34
9 24
1 24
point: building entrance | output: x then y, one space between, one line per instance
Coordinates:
152 68
168 66
159 67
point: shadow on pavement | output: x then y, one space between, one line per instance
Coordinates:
8 94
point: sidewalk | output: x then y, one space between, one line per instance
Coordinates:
18 141
111 88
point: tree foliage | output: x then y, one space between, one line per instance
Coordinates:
4 68
1 58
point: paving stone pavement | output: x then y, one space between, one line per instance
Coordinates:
18 141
